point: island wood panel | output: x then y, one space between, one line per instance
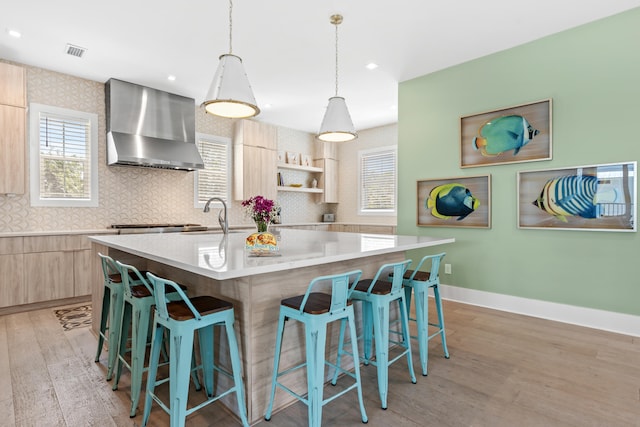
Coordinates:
256 302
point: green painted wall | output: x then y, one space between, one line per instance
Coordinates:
592 73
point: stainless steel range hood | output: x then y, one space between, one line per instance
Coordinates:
151 128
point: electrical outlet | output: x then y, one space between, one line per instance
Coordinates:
447 269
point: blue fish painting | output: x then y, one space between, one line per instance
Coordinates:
450 200
503 134
576 195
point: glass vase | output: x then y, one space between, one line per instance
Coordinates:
263 226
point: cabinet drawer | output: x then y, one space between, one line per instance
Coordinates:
11 245
54 243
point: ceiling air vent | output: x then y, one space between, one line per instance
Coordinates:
75 50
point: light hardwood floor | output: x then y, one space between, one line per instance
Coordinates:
504 370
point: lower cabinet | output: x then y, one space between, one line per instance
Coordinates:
44 268
48 276
12 290
363 228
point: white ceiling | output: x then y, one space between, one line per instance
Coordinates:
287 46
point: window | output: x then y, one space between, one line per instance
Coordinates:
213 180
63 157
377 181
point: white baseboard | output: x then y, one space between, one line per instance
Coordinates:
592 318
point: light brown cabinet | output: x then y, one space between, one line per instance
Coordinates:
254 160
48 276
12 129
44 268
12 85
363 228
326 157
12 291
328 180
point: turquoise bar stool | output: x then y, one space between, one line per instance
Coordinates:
182 319
315 310
420 282
111 314
376 295
136 314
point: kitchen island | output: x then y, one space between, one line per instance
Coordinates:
218 265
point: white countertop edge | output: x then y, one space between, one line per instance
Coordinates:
270 264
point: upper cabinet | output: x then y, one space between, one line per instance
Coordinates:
12 85
326 157
254 160
13 101
255 134
326 150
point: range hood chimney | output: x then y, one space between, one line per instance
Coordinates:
151 128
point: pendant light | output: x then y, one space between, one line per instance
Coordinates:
337 125
230 94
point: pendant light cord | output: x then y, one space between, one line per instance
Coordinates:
230 27
336 59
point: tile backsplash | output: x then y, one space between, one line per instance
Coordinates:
137 195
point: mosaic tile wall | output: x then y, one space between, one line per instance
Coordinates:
137 195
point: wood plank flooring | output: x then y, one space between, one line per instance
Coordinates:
505 370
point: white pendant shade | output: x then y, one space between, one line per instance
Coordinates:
230 94
337 125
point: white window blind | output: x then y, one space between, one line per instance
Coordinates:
378 177
65 154
64 158
213 180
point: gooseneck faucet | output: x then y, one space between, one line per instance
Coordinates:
221 220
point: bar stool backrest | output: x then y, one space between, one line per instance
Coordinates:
128 272
395 270
340 290
160 285
109 267
434 272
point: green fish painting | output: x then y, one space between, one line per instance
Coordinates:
503 134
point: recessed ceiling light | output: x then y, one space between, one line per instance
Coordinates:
171 77
371 66
14 33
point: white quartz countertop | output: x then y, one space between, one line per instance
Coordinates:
216 256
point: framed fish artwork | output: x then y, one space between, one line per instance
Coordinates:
594 198
455 202
510 135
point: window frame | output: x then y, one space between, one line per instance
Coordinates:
35 111
217 140
392 149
